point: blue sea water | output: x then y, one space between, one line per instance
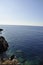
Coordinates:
26 42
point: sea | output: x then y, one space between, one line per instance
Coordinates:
26 42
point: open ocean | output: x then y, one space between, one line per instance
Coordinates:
26 42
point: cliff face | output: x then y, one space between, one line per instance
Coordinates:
3 44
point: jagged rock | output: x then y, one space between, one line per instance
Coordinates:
3 44
11 62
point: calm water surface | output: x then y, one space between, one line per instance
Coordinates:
26 42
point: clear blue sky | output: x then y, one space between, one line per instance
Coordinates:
21 12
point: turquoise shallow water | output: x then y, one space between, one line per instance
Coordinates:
26 42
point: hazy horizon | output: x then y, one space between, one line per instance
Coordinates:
19 25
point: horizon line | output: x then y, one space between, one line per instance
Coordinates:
20 25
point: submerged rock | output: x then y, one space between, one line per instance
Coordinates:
3 44
19 51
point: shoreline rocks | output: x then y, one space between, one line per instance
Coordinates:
3 48
10 62
1 29
3 44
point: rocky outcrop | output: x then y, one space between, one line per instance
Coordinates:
3 48
1 29
3 44
14 61
11 62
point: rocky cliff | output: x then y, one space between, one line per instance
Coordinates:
3 44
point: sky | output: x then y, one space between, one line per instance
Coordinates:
21 12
